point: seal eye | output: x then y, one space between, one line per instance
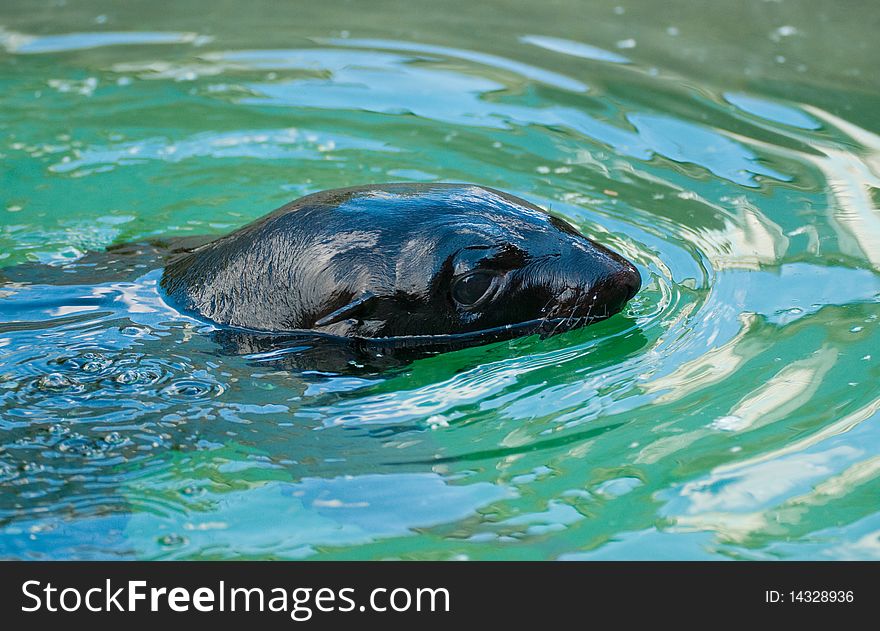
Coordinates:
468 290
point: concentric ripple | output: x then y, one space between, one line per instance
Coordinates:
731 411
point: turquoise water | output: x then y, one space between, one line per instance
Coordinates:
730 412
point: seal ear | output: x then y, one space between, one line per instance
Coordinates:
355 309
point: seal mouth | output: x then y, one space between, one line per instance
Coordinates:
550 326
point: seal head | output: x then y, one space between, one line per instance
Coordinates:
404 261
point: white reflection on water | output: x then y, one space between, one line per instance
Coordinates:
853 182
23 43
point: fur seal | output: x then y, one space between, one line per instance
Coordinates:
403 263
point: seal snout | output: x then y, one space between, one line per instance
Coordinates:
629 281
595 291
614 289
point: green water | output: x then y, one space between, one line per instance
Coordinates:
730 150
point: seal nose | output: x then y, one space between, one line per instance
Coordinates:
630 281
622 285
617 287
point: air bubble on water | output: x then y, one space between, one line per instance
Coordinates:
76 444
128 376
114 438
56 382
7 471
189 389
144 376
57 429
856 329
95 362
626 43
172 540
